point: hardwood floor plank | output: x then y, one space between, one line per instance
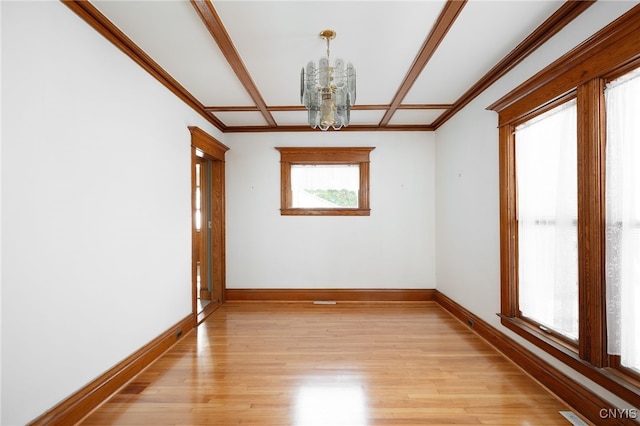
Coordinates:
344 364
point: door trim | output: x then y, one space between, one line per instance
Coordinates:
214 151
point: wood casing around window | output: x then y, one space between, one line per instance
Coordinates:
321 156
591 207
581 74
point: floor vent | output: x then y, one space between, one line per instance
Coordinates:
324 302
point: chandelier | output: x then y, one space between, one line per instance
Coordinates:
328 91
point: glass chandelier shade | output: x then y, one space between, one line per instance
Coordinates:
328 90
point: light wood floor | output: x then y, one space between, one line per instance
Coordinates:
346 364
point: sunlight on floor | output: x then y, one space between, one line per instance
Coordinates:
327 402
203 340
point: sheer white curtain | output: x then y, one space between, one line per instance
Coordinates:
623 218
305 178
546 175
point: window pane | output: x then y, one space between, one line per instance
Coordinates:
325 186
546 177
198 201
623 218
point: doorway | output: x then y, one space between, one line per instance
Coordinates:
208 223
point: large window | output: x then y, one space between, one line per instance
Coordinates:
623 219
570 208
325 181
547 213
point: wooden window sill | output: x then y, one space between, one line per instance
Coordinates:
325 212
615 381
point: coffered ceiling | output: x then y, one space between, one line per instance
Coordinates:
238 62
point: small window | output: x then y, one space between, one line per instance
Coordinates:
325 181
332 186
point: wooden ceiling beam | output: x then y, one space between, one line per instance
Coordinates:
446 19
217 30
350 128
363 107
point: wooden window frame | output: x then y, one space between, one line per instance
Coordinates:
290 156
581 73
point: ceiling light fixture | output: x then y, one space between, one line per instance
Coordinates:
328 91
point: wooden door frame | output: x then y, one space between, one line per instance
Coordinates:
214 151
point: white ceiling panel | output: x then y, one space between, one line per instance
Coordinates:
366 117
415 116
290 118
241 118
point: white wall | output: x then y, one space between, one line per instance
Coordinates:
392 248
96 242
467 189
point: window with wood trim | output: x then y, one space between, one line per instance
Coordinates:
325 181
546 217
570 208
622 228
